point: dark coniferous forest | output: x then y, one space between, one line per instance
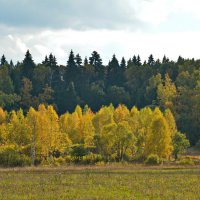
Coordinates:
86 81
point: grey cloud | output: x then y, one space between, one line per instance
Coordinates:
74 14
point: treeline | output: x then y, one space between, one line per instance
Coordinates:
163 83
111 134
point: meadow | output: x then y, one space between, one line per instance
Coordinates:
127 182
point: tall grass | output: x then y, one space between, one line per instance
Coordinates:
100 183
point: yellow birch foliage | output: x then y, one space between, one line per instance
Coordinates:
166 92
3 115
121 113
18 129
158 140
102 118
170 121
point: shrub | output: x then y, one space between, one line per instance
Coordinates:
100 163
59 161
92 158
78 150
185 162
68 159
152 159
10 157
180 144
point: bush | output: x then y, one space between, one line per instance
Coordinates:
185 162
152 159
180 144
68 159
92 158
59 161
78 150
100 163
10 157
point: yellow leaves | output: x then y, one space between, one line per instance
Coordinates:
78 111
121 113
18 130
134 111
3 115
166 92
78 126
3 134
117 133
47 131
170 121
159 140
103 117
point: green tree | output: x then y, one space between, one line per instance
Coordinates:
6 84
3 60
151 60
28 66
26 96
180 144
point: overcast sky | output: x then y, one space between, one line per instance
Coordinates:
121 27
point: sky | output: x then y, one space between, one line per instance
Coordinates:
120 27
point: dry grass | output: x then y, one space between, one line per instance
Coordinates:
101 182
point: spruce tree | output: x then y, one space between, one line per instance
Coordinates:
123 63
28 66
151 60
134 60
138 61
85 61
71 61
46 61
3 60
78 60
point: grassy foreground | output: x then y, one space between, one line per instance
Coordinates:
100 183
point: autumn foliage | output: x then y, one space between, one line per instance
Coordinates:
111 134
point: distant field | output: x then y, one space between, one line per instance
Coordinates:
100 183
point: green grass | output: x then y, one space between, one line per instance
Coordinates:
100 183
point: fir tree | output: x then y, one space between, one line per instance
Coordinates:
123 63
78 60
28 66
3 60
151 60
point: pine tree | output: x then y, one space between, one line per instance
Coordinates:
165 60
134 60
46 61
3 60
96 61
138 61
129 63
151 60
11 64
78 60
113 71
71 60
123 63
85 61
28 66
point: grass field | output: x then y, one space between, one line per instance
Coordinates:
100 183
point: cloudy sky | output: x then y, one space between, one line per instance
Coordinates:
121 27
